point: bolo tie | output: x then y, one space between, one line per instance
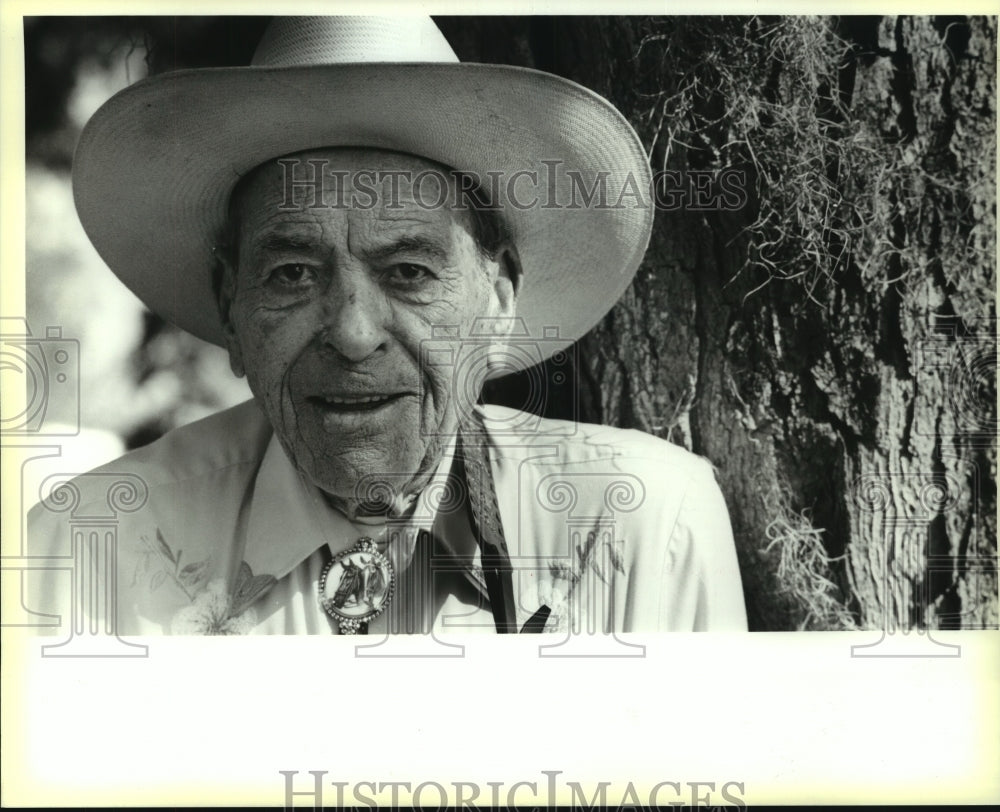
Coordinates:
357 584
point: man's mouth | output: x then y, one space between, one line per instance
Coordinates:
353 404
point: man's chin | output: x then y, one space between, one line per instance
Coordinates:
368 460
368 485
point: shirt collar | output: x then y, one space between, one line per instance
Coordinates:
289 519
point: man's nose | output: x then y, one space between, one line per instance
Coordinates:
354 313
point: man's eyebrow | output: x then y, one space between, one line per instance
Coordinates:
277 242
408 244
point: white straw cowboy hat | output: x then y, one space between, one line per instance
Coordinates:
156 164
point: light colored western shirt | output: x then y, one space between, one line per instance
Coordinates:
211 529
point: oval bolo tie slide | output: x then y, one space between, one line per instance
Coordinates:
356 586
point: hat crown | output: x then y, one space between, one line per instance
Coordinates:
289 41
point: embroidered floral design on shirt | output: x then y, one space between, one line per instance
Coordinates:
217 611
211 612
559 591
213 609
158 562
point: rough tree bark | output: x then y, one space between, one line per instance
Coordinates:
849 403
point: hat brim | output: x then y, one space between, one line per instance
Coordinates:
155 167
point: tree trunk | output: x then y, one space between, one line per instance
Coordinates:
829 344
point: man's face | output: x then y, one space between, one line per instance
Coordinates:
326 310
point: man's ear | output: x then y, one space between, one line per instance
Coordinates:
225 293
506 288
507 285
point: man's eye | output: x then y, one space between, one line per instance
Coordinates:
408 274
292 274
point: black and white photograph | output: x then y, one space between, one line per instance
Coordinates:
595 327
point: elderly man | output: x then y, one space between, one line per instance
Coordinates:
360 220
